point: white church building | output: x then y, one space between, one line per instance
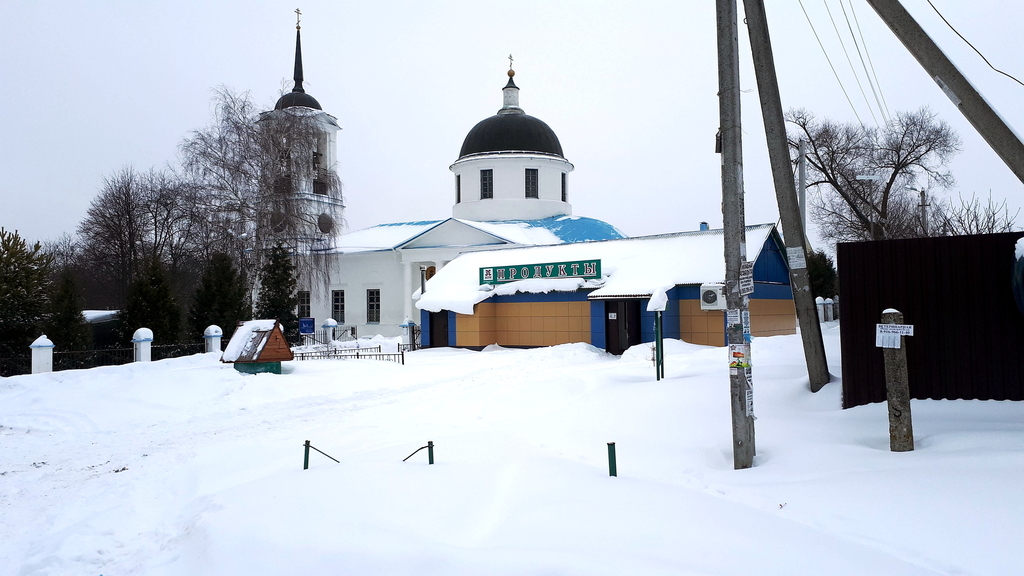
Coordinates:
511 182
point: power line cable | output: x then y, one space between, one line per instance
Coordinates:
867 73
850 62
870 63
829 60
972 45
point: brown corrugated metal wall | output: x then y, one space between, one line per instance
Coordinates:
968 338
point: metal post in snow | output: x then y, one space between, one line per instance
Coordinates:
659 347
305 459
430 452
611 460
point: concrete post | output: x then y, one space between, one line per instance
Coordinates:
897 390
330 326
820 303
830 313
212 336
142 340
42 355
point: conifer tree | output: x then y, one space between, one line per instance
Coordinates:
220 298
822 272
277 298
151 305
64 324
24 276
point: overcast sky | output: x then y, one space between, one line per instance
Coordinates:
629 87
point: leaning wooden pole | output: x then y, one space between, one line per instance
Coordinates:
785 193
730 131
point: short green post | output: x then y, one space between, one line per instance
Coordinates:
305 459
659 347
611 460
430 452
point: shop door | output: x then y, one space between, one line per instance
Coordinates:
621 325
439 329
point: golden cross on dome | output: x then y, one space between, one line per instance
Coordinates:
509 61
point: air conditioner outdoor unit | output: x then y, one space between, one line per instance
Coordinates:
712 297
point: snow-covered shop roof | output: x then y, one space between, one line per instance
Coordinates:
554 230
647 266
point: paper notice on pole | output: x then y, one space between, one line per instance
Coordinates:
746 278
732 317
796 257
888 335
746 322
739 356
750 403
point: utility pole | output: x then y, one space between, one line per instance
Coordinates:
955 85
924 211
740 378
802 187
785 193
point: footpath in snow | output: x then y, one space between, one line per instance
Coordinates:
187 467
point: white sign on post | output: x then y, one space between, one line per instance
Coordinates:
796 257
746 278
888 335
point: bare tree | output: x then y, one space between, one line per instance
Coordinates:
861 176
262 182
113 234
973 217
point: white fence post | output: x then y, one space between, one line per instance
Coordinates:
42 355
820 303
830 314
330 326
142 339
212 336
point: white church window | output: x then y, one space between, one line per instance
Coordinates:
532 186
373 306
338 306
486 184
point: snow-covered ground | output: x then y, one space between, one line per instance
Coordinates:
187 467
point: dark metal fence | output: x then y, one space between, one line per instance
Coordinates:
372 353
164 351
956 291
81 359
14 365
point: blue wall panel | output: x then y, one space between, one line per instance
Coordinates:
452 337
424 328
771 263
597 324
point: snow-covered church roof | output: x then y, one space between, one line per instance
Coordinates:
646 266
547 231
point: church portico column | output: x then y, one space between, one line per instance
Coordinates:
407 289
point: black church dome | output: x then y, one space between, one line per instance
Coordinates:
296 99
511 132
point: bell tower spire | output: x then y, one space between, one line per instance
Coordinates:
298 52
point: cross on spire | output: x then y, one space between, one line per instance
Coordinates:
509 61
298 15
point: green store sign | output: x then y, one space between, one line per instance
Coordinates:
589 269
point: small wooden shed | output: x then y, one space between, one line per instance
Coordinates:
258 346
